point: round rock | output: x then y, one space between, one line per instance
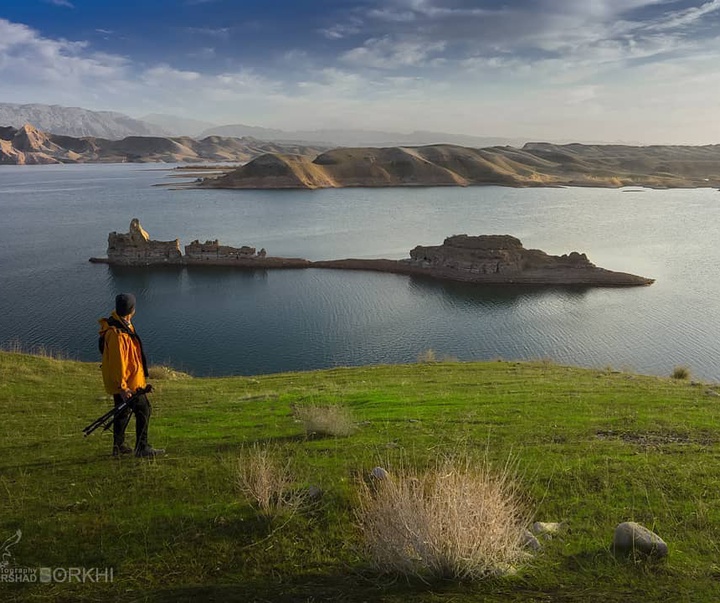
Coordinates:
631 536
379 473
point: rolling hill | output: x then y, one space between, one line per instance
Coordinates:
535 164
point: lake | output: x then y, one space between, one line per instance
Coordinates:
218 321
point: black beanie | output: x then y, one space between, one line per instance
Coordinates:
124 304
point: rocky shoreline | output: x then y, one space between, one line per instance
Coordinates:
485 259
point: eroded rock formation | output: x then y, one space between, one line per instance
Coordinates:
135 248
493 254
210 251
486 259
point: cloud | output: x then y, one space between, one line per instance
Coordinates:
62 3
686 17
216 32
340 31
459 30
390 53
162 74
28 58
206 52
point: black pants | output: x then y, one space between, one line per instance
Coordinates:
141 408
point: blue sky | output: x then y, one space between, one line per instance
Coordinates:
644 71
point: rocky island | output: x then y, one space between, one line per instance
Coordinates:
485 259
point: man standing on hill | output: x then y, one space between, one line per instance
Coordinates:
124 371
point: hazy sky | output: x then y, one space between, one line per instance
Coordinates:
643 71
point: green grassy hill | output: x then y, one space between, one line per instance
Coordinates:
593 448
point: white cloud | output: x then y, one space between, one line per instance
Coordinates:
340 30
162 74
686 17
62 3
215 32
389 53
28 58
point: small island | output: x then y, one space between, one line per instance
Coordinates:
485 259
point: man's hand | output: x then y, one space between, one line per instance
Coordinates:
125 394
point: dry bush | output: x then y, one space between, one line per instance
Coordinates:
160 372
427 357
14 346
457 520
266 480
430 356
680 372
330 419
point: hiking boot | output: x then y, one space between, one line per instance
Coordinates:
118 450
149 452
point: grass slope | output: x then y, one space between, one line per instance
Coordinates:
594 448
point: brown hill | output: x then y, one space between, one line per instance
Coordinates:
536 164
29 145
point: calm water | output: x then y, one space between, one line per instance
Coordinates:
224 321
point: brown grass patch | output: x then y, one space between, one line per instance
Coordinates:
457 520
160 373
266 480
330 419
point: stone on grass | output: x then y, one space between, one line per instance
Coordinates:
314 492
632 537
529 541
379 473
549 528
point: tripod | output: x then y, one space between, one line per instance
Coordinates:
106 421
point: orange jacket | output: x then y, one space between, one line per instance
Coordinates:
122 366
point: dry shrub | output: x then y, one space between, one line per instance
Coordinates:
266 480
430 356
14 346
330 419
457 520
427 357
160 372
681 372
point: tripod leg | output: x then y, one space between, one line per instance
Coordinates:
120 422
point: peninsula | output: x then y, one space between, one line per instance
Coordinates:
535 164
486 259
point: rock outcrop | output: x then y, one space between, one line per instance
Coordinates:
503 257
135 248
487 259
212 251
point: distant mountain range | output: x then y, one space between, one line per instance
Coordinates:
74 121
78 122
535 164
364 138
179 126
28 145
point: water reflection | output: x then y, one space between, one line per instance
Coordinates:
472 294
